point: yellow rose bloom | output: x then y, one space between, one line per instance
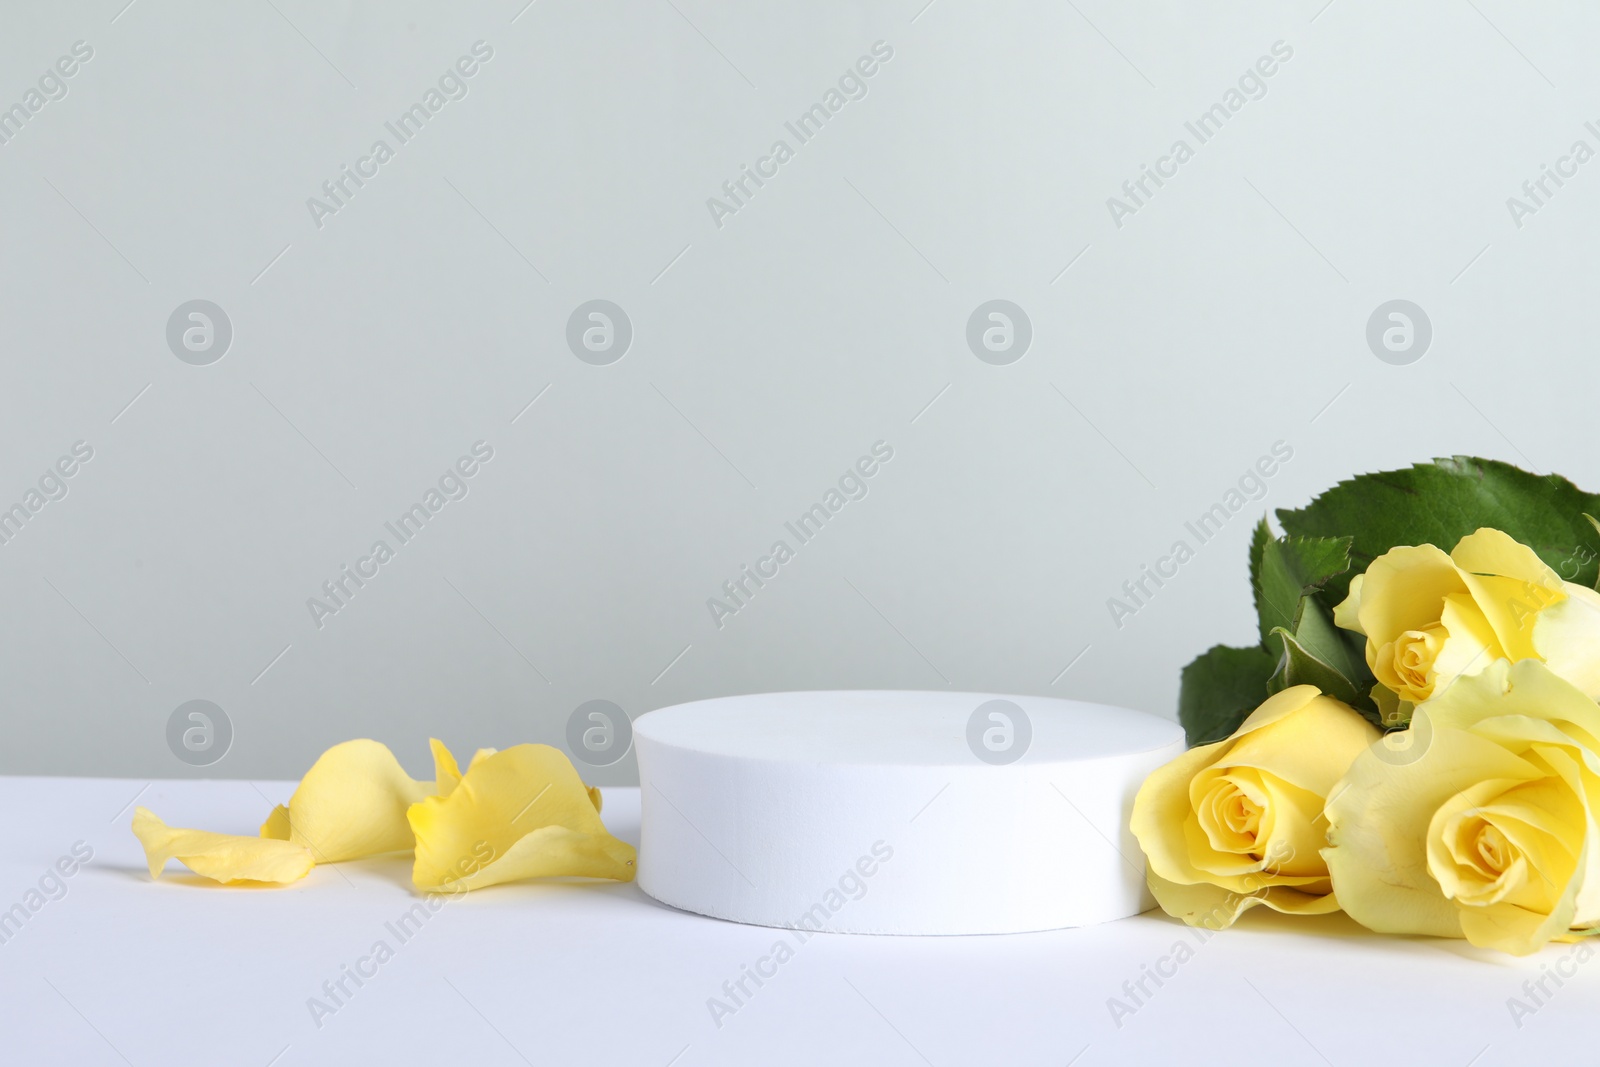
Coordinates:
1479 821
1429 617
1237 823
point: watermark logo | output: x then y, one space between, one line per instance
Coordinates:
52 86
599 332
199 332
599 733
1536 992
999 732
338 991
1537 192
999 332
1138 592
852 885
340 190
851 485
51 887
1403 747
1137 991
1399 332
52 486
738 191
1251 85
453 485
199 733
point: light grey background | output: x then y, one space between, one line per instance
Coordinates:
769 353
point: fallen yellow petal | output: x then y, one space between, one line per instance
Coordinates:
447 773
277 825
223 858
519 813
352 803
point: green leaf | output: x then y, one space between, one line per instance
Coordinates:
1220 688
1441 502
1596 524
1289 570
1260 537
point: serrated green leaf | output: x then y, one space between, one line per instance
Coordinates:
1260 537
1291 569
1441 502
1220 687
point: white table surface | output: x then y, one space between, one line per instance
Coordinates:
125 970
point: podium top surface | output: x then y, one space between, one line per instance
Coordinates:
903 728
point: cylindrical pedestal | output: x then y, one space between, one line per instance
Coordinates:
896 812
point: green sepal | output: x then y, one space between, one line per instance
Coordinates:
1299 666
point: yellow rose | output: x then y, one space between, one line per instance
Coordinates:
1237 823
1479 821
1429 617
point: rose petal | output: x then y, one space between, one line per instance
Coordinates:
1516 930
1288 873
1165 801
276 828
1542 867
225 858
1377 818
1215 908
1309 750
1471 645
1490 551
1510 584
519 813
1403 590
1348 612
352 803
446 772
1296 832
1525 694
1566 636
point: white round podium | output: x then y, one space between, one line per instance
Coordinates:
896 812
